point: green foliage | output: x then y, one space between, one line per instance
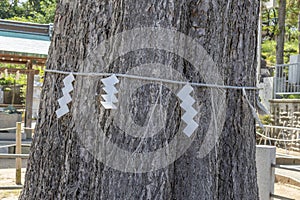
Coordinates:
269 51
11 78
270 19
269 22
38 11
270 32
266 119
293 96
9 8
5 11
42 11
292 12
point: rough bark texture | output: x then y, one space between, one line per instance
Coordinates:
281 34
59 166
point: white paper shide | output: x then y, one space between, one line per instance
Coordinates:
187 105
66 98
110 97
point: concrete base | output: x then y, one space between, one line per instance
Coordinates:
265 157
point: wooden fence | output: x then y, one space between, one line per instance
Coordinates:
18 156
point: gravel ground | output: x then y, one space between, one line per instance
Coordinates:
7 177
286 190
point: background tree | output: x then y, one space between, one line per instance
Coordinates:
271 32
4 11
9 9
281 34
299 32
60 167
41 11
292 11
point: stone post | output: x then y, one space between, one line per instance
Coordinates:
265 157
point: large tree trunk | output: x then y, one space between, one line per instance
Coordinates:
63 166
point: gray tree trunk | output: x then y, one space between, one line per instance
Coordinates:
60 165
281 34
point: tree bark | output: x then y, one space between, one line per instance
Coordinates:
281 34
60 166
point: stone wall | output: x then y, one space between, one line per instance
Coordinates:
9 120
285 112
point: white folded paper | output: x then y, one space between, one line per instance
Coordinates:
109 87
66 98
187 105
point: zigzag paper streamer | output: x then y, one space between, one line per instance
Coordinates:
66 98
187 105
109 87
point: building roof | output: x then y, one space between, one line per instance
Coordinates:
24 46
21 42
